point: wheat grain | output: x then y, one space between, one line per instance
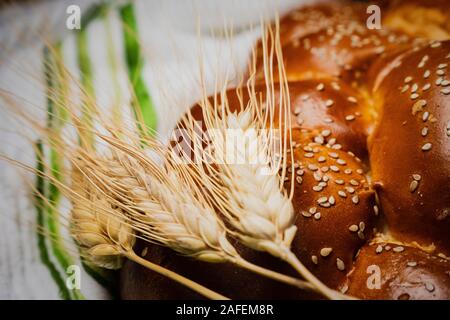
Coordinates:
251 199
168 212
105 236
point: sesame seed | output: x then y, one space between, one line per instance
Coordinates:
413 186
309 155
332 141
334 168
353 182
306 214
317 176
342 162
387 248
340 264
429 286
332 200
344 289
314 259
405 88
326 133
333 155
435 44
398 249
322 200
328 120
445 91
321 159
350 117
317 216
426 87
353 228
440 72
339 181
352 99
411 264
335 86
408 79
445 83
414 96
379 249
317 188
425 116
350 189
361 235
376 210
355 199
427 146
439 81
442 66
312 210
324 169
417 177
418 106
359 171
414 87
362 226
329 103
300 172
342 194
426 74
299 179
319 139
325 252
348 171
312 167
424 131
320 87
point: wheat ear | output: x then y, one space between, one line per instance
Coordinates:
168 213
105 236
248 195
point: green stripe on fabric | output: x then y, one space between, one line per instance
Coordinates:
55 120
104 277
142 102
39 204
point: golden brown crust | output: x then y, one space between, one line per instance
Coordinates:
422 18
334 207
141 283
348 84
403 273
410 148
310 19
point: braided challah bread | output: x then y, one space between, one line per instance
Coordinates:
370 116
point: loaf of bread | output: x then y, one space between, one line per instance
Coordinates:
370 112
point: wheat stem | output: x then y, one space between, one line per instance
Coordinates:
292 259
175 276
274 275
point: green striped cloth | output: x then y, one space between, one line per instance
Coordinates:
52 242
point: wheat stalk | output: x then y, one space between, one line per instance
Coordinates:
105 236
261 215
249 197
169 213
